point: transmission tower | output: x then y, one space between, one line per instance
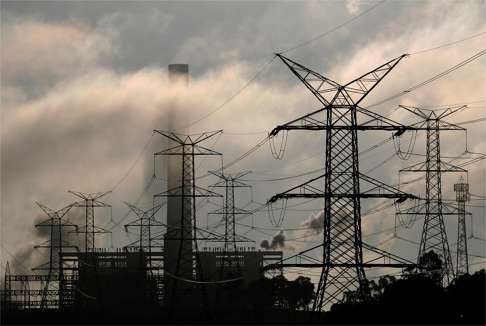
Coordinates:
462 196
7 290
434 237
56 245
144 224
181 238
229 211
342 265
89 202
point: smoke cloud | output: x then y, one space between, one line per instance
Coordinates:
315 223
277 242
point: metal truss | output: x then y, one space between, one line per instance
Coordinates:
183 238
30 291
381 258
342 266
89 202
462 196
56 245
7 288
144 224
229 211
434 237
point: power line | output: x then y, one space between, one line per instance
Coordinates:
15 259
478 262
335 28
478 196
239 158
250 133
264 66
446 72
455 252
285 178
451 104
472 121
229 99
448 44
129 171
388 159
375 146
146 188
243 156
432 79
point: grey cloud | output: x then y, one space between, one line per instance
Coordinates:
209 34
37 55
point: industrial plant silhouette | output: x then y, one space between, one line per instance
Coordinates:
166 276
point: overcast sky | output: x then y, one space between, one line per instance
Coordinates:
83 84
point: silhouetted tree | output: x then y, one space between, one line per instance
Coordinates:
431 264
466 297
261 294
301 293
281 291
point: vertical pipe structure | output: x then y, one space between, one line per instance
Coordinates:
462 196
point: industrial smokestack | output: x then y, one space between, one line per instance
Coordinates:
174 245
179 73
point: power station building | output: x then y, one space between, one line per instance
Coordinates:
110 280
218 265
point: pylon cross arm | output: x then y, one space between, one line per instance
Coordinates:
188 139
316 121
235 211
360 87
323 88
327 90
372 189
442 167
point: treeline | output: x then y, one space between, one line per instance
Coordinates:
417 297
281 293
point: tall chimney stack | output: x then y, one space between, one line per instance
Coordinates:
178 74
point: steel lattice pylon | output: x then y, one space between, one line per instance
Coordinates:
89 202
342 265
462 196
56 245
7 289
181 240
229 211
144 224
434 236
